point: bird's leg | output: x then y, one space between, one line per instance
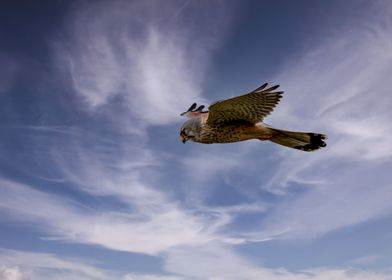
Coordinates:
264 133
266 136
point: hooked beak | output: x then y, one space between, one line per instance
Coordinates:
183 137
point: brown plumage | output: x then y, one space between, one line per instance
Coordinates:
240 118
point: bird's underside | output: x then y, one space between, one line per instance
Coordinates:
234 131
240 118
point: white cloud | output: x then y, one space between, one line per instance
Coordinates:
369 259
214 262
341 203
20 265
346 81
10 273
150 277
150 224
209 262
141 52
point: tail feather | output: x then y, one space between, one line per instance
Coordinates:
304 141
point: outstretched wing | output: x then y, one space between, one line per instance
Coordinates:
251 107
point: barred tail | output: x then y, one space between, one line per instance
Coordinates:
305 141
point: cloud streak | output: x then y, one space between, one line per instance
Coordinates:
346 77
21 265
142 53
151 224
213 263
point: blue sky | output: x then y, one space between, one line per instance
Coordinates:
95 183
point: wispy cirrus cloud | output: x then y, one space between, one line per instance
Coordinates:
213 263
144 53
151 277
10 273
23 265
216 262
149 225
366 260
346 77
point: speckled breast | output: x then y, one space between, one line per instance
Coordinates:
227 133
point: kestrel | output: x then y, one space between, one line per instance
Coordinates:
241 118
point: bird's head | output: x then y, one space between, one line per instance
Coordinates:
190 130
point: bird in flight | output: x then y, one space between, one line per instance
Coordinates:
241 118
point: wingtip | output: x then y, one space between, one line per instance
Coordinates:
193 106
200 108
193 110
260 88
273 88
264 88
